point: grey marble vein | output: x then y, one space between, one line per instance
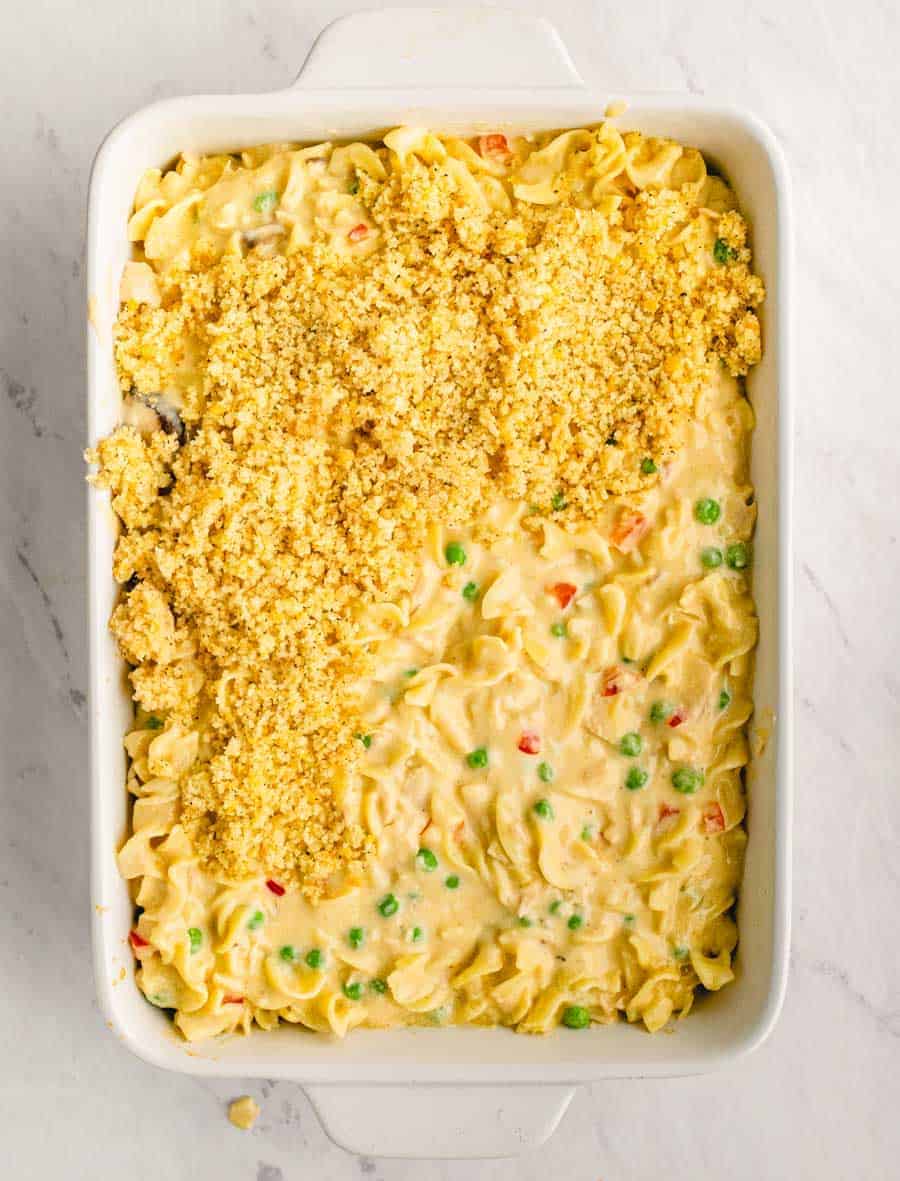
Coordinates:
75 696
829 602
886 1019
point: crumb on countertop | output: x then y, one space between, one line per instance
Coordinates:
243 1112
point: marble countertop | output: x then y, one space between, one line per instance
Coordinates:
820 1098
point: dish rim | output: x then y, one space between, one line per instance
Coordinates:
467 102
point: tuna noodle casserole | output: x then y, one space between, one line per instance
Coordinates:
434 554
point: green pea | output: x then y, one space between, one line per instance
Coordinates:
559 630
452 883
388 906
256 920
587 833
525 921
660 711
681 953
575 921
555 906
544 809
576 1017
265 202
631 745
365 739
477 758
686 780
356 936
353 991
287 953
558 503
417 935
545 773
314 958
196 937
648 467
722 252
707 511
426 860
470 592
409 673
154 723
711 557
636 778
379 986
455 554
737 556
724 699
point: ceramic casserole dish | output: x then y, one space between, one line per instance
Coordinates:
499 1093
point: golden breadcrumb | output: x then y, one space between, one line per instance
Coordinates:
335 407
137 470
243 1112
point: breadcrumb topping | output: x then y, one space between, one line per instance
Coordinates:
243 1112
335 407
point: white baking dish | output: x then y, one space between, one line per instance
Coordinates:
364 74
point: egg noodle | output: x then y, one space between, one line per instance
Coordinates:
436 535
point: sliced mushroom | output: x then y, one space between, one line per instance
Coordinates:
152 412
140 414
169 418
264 233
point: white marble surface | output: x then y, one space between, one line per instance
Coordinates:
821 1098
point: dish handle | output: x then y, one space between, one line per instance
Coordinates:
440 1121
402 48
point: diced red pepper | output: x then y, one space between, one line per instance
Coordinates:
714 819
137 940
232 1000
617 679
676 719
563 592
275 887
493 145
665 811
629 530
358 233
530 743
